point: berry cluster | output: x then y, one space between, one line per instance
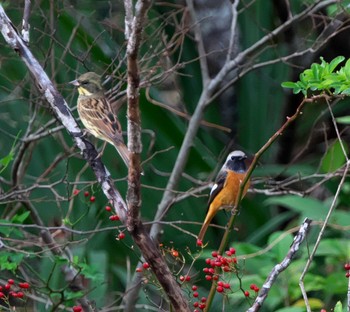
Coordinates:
219 265
227 264
200 304
347 269
92 198
115 217
10 289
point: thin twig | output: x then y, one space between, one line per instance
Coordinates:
330 211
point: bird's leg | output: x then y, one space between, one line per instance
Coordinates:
102 150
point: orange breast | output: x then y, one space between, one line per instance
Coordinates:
227 196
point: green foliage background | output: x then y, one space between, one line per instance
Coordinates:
71 37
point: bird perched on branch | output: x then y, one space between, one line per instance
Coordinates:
96 113
224 192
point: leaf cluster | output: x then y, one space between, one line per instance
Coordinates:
323 78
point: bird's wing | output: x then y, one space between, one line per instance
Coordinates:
217 187
99 112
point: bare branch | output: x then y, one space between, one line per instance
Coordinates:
298 239
147 246
330 211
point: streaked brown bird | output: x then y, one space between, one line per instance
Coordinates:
96 113
224 192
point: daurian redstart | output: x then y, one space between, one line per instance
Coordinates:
224 192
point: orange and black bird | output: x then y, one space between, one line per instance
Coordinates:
224 192
96 113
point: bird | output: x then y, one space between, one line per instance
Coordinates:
96 113
225 190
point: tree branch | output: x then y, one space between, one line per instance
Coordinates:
134 27
298 239
62 112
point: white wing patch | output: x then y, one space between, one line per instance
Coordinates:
215 186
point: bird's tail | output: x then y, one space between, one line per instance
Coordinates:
123 152
210 215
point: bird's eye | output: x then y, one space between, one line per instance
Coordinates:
84 82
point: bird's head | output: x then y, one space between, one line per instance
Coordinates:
88 84
236 161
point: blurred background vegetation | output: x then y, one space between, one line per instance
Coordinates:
72 37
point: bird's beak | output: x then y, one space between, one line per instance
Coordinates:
75 83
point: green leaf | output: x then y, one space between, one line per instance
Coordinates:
282 246
5 161
307 207
289 84
338 307
334 158
343 120
335 62
20 218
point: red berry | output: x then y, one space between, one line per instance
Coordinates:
92 199
121 235
195 294
347 266
204 299
218 263
13 294
11 281
114 218
208 277
207 261
24 285
196 304
182 278
2 295
138 270
108 208
215 277
1 288
220 283
199 243
347 275
211 271
145 265
20 294
228 253
252 286
232 250
86 194
7 286
226 268
214 254
219 289
234 260
246 293
77 309
206 270
202 306
227 285
75 192
187 278
194 287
